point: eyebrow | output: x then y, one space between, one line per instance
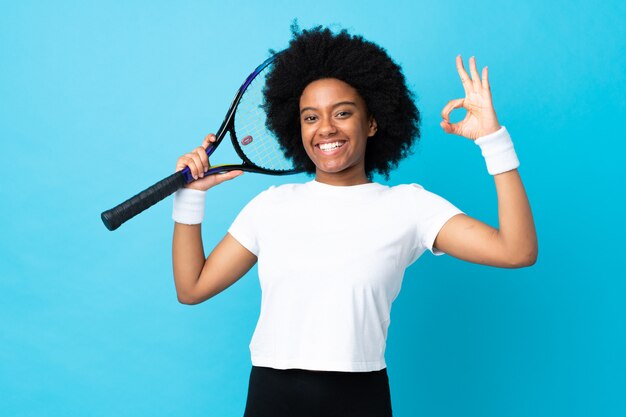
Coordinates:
341 103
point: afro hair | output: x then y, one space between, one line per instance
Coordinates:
319 53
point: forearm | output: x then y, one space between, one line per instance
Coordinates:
187 257
514 243
516 226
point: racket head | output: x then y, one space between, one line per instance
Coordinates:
246 122
255 144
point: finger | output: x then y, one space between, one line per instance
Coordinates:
194 168
465 79
485 79
452 128
475 76
192 161
181 163
195 156
204 159
452 104
210 138
185 161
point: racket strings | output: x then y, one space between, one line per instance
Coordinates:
258 144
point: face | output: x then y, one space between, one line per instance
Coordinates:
335 127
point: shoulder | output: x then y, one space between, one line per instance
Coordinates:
413 189
276 193
406 190
285 190
418 196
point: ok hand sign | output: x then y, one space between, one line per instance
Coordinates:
480 119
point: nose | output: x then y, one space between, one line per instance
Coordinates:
326 127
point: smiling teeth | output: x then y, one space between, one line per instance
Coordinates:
330 146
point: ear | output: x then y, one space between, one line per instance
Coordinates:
373 127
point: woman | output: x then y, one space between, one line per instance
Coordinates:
332 252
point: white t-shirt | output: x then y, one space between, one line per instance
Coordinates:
331 261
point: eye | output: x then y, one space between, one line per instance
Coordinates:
309 118
342 114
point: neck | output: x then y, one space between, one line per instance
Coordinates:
343 178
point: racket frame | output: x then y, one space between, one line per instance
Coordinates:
116 216
228 125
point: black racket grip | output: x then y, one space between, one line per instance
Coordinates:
114 217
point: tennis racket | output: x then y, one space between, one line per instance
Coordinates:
258 149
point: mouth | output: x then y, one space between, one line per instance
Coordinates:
329 147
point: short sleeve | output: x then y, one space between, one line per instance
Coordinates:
245 227
433 212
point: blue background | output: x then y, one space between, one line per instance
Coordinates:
98 100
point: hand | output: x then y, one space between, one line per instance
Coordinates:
480 119
198 163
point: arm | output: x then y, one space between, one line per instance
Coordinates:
514 244
196 278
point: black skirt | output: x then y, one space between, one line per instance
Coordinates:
304 393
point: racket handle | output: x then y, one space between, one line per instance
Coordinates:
114 217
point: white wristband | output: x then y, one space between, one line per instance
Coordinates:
498 151
188 206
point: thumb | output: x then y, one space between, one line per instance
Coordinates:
227 176
452 128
